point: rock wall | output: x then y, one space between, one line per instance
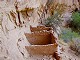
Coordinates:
16 16
15 20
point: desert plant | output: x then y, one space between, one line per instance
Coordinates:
72 38
75 24
67 34
54 20
75 45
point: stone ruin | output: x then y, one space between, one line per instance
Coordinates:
41 36
43 41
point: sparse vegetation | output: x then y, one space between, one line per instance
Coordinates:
75 45
72 38
54 20
67 34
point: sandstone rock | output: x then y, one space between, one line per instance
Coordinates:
13 24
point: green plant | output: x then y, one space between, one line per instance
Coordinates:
72 38
67 34
53 20
56 10
75 24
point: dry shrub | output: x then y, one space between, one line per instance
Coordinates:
75 45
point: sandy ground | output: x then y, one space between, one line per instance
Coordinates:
66 53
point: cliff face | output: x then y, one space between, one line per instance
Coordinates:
36 8
15 20
67 2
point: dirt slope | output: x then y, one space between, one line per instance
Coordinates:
66 53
